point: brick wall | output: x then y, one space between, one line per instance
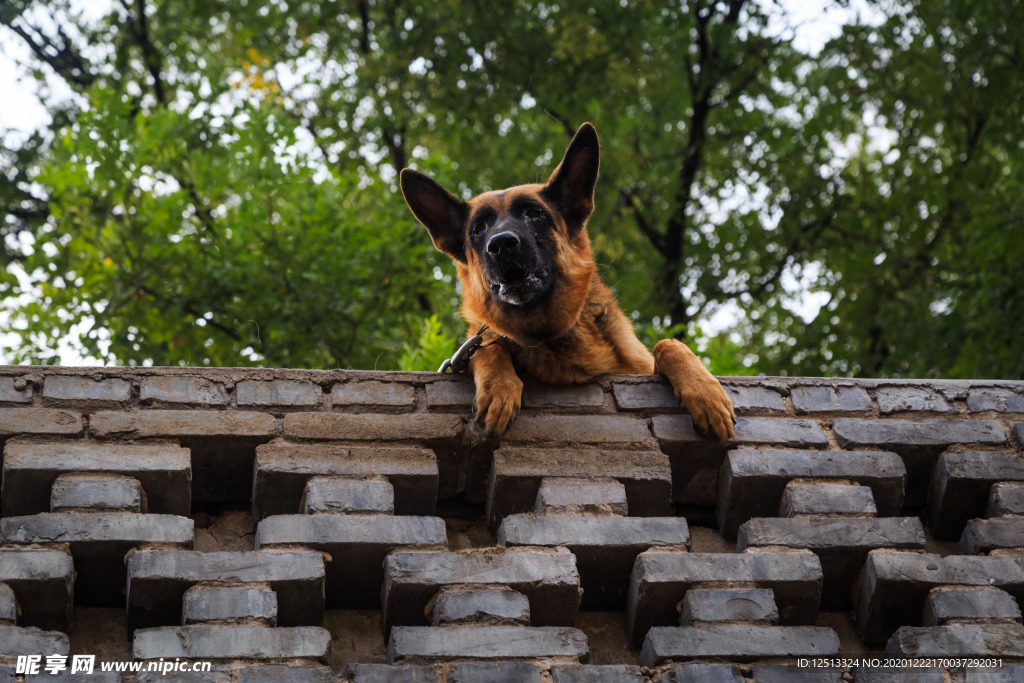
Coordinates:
328 525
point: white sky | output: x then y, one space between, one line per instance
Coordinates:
813 23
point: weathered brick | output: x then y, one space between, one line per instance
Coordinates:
182 390
494 672
605 547
30 469
849 500
918 399
283 469
572 429
571 396
752 605
986 535
439 643
789 673
1018 435
957 603
856 433
233 642
360 427
562 495
182 423
480 605
210 603
11 393
39 421
78 388
363 540
455 392
218 675
1000 400
694 459
661 579
278 392
158 579
1005 499
737 642
700 672
547 576
596 673
516 475
960 487
386 673
349 496
287 673
958 640
842 544
871 674
28 640
95 492
830 399
42 581
896 584
97 676
658 395
754 400
8 605
753 430
752 482
373 393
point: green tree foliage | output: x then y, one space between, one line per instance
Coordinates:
222 188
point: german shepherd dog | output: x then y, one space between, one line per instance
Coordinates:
528 273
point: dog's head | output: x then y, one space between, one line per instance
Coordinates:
517 248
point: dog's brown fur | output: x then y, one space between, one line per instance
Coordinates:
575 330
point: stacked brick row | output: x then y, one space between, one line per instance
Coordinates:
899 502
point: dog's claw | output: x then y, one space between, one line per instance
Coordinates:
711 410
498 406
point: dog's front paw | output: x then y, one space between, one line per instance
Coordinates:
710 408
498 403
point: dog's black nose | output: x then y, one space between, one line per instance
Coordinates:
503 241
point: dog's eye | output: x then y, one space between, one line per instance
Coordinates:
478 226
532 214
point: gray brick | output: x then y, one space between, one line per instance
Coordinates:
700 672
1000 400
158 579
749 430
754 400
361 427
695 459
95 492
19 640
212 676
547 576
287 673
480 605
752 482
753 605
78 388
373 393
494 672
439 643
1018 435
562 495
282 471
644 396
1007 673
516 475
182 390
956 603
363 540
182 423
42 580
572 396
788 673
856 433
278 392
737 642
986 535
30 469
661 579
10 393
97 676
39 421
211 603
349 496
572 429
7 674
960 487
233 642
899 675
896 584
456 392
830 399
605 547
1005 499
596 673
918 399
8 605
385 673
827 499
842 544
958 640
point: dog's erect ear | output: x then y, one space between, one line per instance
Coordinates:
440 212
571 186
